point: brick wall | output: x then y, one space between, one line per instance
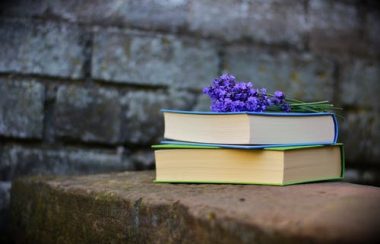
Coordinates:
82 82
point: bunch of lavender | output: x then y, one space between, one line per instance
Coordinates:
229 95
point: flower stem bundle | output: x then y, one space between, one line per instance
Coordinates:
229 95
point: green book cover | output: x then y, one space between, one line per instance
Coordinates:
190 146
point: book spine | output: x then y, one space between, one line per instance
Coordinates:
336 128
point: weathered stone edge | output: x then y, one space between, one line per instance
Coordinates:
44 213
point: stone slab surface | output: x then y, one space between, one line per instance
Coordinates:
128 207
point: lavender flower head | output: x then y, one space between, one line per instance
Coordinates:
229 95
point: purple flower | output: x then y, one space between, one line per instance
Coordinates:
285 107
229 95
279 94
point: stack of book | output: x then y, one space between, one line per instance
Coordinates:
249 148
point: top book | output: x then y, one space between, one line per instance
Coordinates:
251 127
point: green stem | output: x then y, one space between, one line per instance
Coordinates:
304 107
309 103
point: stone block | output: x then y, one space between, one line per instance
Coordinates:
143 122
21 108
153 60
360 84
141 159
23 8
300 76
223 19
335 28
17 160
42 48
130 208
369 176
149 14
88 114
203 103
5 189
360 132
373 28
263 21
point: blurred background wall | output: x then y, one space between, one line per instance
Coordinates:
82 82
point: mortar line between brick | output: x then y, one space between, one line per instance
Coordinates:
65 146
72 81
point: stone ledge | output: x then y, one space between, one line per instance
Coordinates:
128 207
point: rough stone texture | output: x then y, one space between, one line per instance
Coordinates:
23 8
142 159
82 82
203 103
35 47
361 84
149 14
360 131
19 161
88 114
335 28
263 21
301 76
128 207
231 15
373 27
143 120
21 108
152 14
360 128
367 176
5 187
153 60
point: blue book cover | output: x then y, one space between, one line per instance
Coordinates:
183 144
184 125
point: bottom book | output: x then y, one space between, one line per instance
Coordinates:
267 166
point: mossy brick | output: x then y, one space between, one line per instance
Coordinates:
153 59
272 22
300 76
42 48
88 114
21 108
142 119
129 207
